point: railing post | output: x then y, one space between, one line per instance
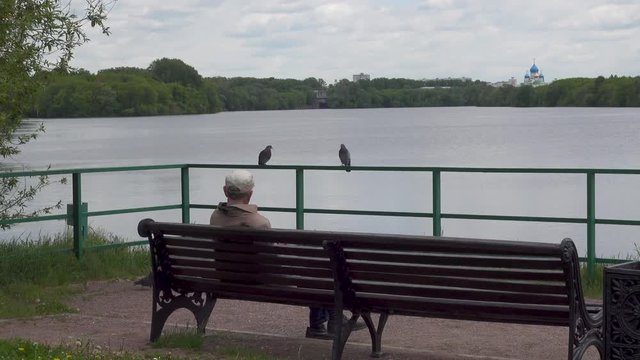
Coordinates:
184 182
299 199
437 223
78 223
591 225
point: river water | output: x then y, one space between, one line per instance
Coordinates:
461 136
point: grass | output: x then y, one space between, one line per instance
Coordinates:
234 352
188 339
592 289
27 350
37 276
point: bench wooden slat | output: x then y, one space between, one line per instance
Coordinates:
258 277
191 252
237 234
284 294
408 243
248 258
514 262
188 241
276 249
476 283
377 241
507 274
237 246
272 269
458 293
469 310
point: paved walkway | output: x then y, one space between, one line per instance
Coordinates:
117 314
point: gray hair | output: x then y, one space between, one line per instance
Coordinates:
239 183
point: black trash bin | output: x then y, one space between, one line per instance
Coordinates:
622 311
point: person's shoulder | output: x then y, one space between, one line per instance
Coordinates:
264 223
260 221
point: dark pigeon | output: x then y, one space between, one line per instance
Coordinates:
145 281
265 155
345 156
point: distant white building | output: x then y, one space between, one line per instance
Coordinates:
361 76
463 78
534 76
511 82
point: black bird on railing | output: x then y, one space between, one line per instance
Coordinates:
345 156
265 155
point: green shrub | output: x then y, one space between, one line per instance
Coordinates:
36 276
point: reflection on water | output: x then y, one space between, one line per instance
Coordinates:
468 137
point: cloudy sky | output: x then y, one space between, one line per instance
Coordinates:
489 40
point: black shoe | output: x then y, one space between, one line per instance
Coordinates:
318 333
359 325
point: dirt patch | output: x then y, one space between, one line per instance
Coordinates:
116 316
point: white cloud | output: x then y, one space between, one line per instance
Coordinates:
614 16
437 4
488 40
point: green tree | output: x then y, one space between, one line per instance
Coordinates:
175 70
524 96
35 35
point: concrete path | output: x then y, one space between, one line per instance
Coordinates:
116 315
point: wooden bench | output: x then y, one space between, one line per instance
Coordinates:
466 279
194 265
470 279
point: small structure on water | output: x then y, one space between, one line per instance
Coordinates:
320 99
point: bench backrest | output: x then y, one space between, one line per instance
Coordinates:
279 266
487 280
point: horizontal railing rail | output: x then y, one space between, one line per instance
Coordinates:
77 215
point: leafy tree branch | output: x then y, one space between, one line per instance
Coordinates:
35 35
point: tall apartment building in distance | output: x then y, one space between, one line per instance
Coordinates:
361 76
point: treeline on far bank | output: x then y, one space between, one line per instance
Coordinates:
171 87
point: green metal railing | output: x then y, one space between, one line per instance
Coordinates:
78 213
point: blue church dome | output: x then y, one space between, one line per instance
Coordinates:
534 69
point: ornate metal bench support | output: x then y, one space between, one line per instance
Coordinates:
342 333
164 304
165 299
376 332
585 328
593 338
345 297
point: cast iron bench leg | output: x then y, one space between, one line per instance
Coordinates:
346 330
200 304
339 340
376 334
203 312
592 338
